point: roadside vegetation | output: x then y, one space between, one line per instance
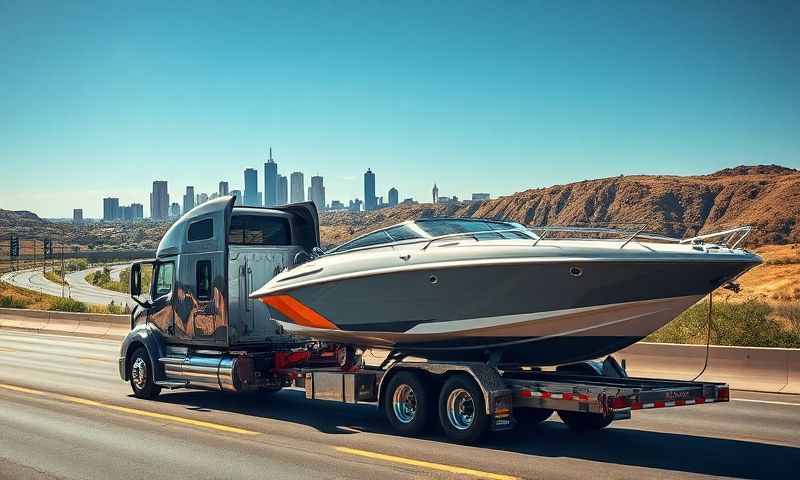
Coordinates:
15 297
102 278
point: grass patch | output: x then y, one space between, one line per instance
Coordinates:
53 276
68 305
9 301
750 324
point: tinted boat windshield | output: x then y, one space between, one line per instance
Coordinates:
437 228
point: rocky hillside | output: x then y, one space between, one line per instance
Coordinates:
764 196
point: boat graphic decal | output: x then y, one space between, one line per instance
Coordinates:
298 312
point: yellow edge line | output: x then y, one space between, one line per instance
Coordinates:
132 411
429 465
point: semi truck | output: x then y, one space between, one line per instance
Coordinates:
195 326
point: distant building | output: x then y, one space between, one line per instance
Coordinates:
111 209
435 194
316 193
238 195
480 197
259 199
174 210
355 205
270 182
393 197
408 201
223 189
250 187
213 196
125 213
188 199
159 200
370 202
283 190
446 200
137 211
298 193
337 205
77 216
201 198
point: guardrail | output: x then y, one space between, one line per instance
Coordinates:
775 370
66 323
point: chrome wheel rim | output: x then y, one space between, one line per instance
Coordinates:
139 373
460 409
404 403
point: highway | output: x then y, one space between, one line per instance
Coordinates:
64 413
79 289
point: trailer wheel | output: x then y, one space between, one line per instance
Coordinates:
142 381
531 416
407 404
462 412
584 421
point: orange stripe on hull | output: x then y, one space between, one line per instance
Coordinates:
297 312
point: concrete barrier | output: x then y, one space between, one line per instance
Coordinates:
66 323
775 370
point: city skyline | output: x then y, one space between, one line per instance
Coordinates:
100 100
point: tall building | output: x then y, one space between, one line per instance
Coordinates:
137 211
111 208
175 210
77 216
283 190
298 194
316 193
270 181
238 195
393 197
159 200
250 187
223 189
370 202
201 198
188 199
355 205
435 194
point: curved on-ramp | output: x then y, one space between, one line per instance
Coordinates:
77 286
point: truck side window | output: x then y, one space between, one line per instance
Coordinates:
164 279
201 230
259 230
203 280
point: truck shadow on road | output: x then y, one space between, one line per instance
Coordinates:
551 439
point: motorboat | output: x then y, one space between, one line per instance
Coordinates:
456 288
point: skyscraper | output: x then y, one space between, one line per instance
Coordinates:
111 208
435 194
270 181
250 187
159 200
137 211
174 210
370 202
223 188
283 190
238 195
298 194
188 199
393 197
317 193
77 216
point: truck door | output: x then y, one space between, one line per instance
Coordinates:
161 314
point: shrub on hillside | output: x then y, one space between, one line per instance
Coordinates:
7 301
68 305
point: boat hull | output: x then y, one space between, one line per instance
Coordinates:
539 313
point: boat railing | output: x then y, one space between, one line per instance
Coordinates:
730 238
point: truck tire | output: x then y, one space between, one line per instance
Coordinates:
462 411
529 416
407 403
584 421
141 373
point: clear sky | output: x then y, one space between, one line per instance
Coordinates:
100 99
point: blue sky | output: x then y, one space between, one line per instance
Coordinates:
100 99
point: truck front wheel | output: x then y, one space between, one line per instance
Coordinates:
141 370
407 404
462 411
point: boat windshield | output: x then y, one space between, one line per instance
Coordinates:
390 235
482 229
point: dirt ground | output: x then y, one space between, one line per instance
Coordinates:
777 280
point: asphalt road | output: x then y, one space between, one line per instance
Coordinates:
79 288
64 413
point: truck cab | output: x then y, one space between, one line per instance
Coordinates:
197 306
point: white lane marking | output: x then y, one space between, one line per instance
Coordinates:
771 402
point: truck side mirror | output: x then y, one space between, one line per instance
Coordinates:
136 280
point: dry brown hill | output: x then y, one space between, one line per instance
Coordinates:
766 197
